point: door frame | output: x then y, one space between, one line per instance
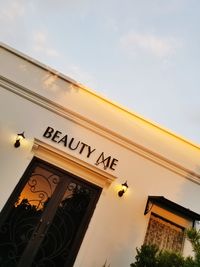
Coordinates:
84 223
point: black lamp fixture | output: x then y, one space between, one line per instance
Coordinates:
20 136
124 188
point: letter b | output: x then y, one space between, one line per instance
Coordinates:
48 132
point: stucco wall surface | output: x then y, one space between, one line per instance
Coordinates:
126 125
118 225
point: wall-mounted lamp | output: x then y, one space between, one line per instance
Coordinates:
124 188
20 136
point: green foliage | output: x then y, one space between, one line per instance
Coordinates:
150 256
146 256
189 262
193 236
170 259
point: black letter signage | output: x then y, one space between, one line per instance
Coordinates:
81 147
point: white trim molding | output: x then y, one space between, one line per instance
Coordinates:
100 130
71 164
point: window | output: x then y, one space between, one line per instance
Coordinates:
167 223
164 234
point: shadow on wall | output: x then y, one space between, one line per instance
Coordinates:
55 83
51 81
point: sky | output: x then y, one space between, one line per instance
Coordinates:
142 54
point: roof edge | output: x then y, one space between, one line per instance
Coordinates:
98 95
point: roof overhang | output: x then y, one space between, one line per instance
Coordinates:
171 206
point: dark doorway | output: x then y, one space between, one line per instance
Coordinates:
46 217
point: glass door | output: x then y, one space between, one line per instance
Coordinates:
46 217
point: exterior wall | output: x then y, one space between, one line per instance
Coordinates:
152 160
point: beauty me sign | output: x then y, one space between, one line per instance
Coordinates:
86 150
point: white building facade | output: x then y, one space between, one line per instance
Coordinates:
59 188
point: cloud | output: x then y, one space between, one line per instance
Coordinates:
41 44
12 10
112 24
157 46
